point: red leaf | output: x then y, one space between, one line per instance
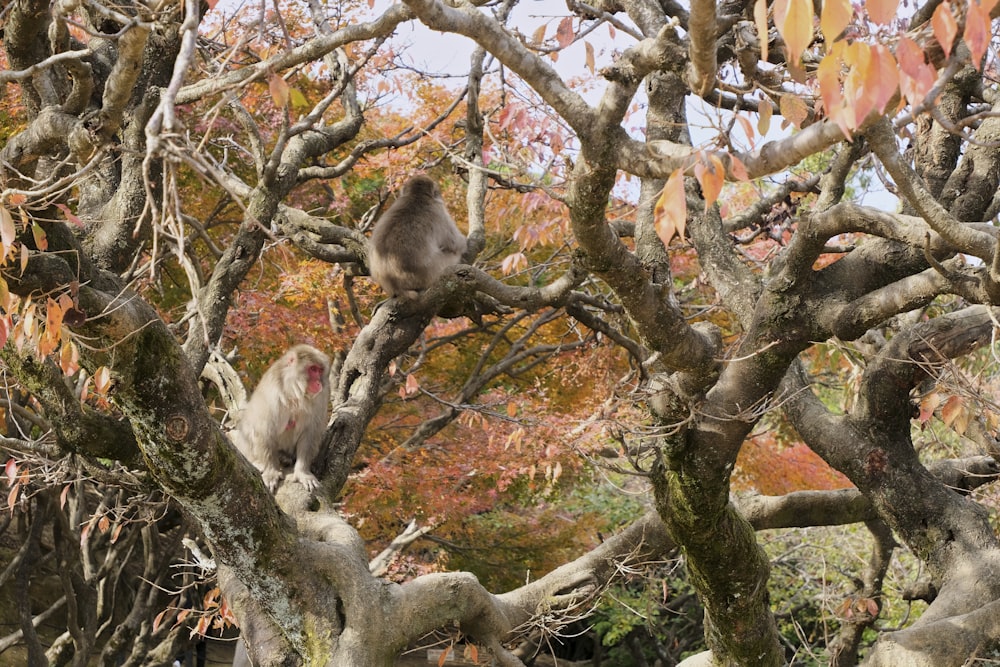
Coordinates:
70 215
977 32
564 33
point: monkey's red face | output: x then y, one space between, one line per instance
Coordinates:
314 383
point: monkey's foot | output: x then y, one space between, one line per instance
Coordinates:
272 478
307 479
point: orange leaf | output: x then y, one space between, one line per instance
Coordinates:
670 212
41 241
69 358
858 57
738 169
928 404
63 495
918 75
158 620
279 90
764 111
836 16
12 497
794 20
977 32
747 128
102 380
472 653
760 20
793 108
564 33
513 262
951 409
883 77
589 49
444 656
711 176
828 78
881 11
872 606
10 469
945 27
412 384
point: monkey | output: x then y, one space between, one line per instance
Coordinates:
286 414
414 241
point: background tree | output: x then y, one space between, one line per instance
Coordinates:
674 265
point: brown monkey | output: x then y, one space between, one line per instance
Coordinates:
286 414
414 241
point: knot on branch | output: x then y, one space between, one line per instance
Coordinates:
178 428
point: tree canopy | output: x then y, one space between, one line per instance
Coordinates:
731 269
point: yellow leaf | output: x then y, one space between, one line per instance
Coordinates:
7 231
760 21
945 27
41 241
881 11
794 20
670 212
836 16
539 36
298 99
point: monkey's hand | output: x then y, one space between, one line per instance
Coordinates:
307 479
272 477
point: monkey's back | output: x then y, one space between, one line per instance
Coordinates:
414 241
